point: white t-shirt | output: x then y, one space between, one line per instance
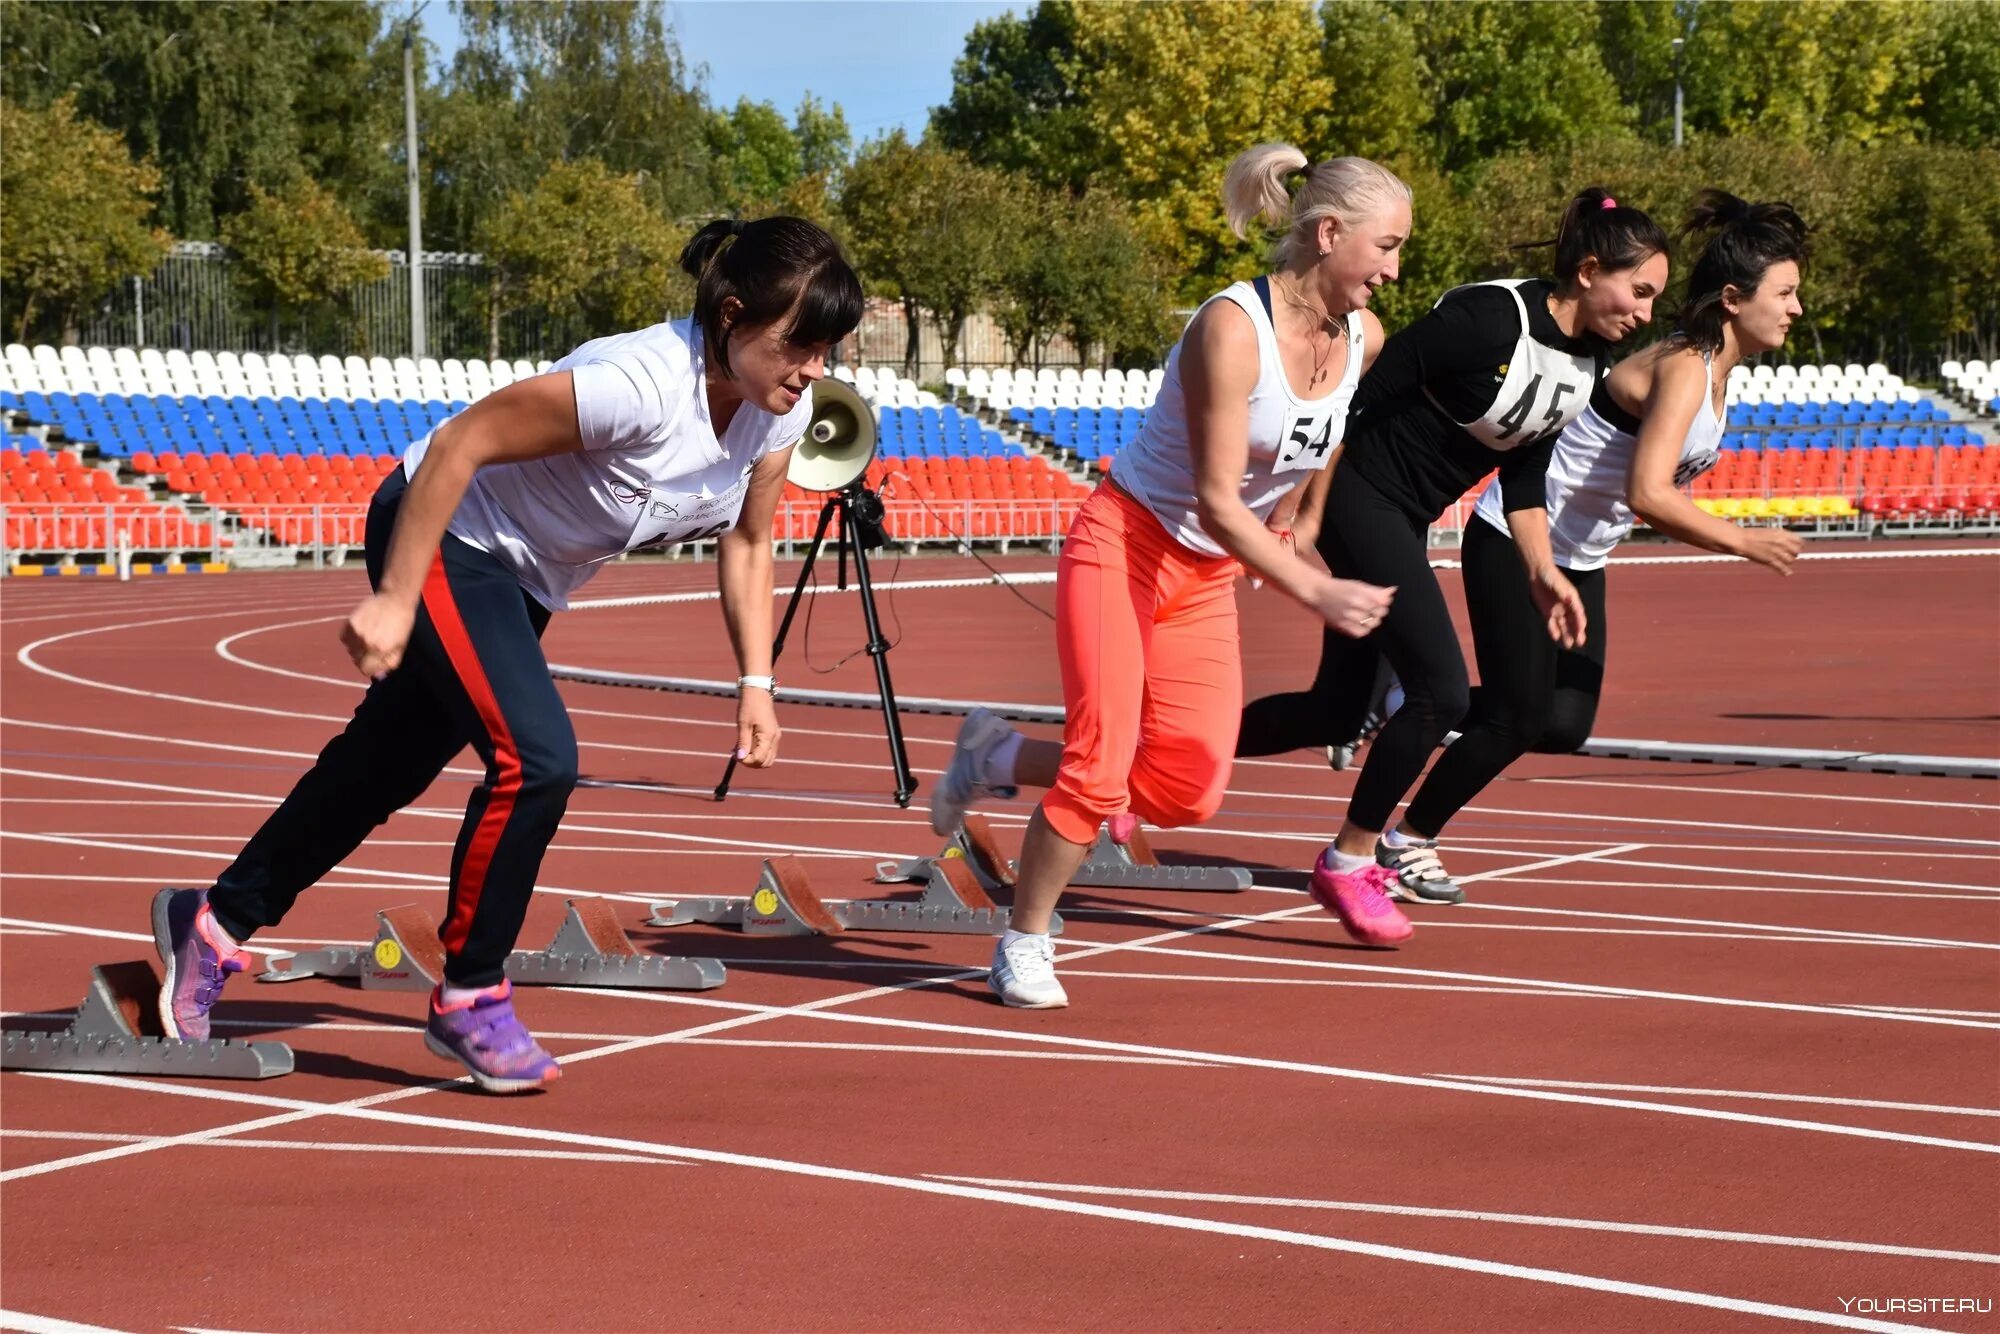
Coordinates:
1590 472
1290 437
651 471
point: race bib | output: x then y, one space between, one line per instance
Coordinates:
1308 443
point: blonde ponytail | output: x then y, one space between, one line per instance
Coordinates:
1346 188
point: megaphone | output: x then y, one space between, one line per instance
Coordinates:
839 443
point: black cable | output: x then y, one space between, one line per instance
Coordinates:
970 550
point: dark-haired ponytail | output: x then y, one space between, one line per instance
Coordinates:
1743 241
1595 225
778 269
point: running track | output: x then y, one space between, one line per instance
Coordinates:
1711 1048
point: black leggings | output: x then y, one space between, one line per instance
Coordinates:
473 674
1365 536
1533 693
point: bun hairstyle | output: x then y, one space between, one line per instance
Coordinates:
1258 187
779 269
1743 241
1595 225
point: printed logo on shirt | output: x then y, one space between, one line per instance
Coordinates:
662 510
628 494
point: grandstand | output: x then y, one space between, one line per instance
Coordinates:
269 459
272 459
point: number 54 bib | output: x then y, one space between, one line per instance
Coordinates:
1544 388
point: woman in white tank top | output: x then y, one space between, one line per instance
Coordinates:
1251 410
1654 424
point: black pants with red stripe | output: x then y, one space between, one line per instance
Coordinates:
473 674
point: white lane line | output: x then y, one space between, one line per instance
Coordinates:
1313 1068
329 1146
1585 988
1848 879
1048 1204
1813 1098
26 657
1737 887
1692 789
1486 1216
418 880
42 1324
1862 937
423 813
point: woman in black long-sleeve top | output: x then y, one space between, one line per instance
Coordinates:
1487 379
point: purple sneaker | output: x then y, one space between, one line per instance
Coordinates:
483 1035
198 961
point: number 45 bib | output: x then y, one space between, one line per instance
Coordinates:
1544 389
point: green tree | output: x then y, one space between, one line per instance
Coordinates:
1016 101
73 209
878 213
1174 91
929 228
1506 76
825 142
1636 38
1381 100
1119 286
586 249
221 97
757 156
1811 71
1038 273
1958 91
297 249
559 82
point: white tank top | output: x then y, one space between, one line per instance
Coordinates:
1289 436
653 469
1589 475
1544 390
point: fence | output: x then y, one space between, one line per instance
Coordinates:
286 536
192 300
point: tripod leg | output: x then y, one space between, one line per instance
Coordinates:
878 649
785 625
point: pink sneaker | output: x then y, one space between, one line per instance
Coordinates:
1358 901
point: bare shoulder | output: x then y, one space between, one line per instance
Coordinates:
1371 337
1219 348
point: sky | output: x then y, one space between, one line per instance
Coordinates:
886 62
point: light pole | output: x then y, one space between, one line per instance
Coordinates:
416 264
1679 45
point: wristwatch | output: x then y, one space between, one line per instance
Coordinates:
769 683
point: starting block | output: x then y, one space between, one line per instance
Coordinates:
591 950
784 904
1132 865
117 1031
974 843
1111 864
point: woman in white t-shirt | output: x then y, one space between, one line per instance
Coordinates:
1654 424
1253 407
676 433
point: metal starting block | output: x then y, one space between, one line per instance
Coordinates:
1132 865
117 1031
974 842
784 904
591 950
1111 864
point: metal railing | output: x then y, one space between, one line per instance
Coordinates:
322 536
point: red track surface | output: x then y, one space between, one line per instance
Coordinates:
1240 1122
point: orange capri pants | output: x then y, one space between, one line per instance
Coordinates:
1151 668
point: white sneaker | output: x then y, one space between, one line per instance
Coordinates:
1024 974
962 780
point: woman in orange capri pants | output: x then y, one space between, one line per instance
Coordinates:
1253 404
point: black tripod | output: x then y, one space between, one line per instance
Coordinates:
860 513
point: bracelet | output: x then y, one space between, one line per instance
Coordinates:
769 683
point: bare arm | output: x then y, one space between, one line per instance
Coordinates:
744 555
1679 385
529 419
